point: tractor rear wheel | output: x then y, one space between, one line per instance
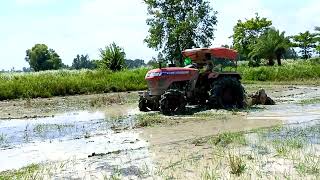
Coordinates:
226 93
172 102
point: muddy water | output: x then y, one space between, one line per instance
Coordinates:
289 113
76 136
92 143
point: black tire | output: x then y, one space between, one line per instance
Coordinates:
143 104
172 102
227 93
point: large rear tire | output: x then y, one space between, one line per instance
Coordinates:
172 102
227 93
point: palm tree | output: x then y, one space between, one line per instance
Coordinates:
306 42
270 45
113 57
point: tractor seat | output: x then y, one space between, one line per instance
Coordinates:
193 65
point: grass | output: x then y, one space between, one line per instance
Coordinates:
309 101
209 174
227 138
310 164
236 164
299 70
2 138
150 119
72 82
66 82
28 172
43 128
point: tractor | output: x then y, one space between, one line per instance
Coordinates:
202 82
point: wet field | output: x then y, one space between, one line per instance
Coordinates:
107 143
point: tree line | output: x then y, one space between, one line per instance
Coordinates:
112 57
257 39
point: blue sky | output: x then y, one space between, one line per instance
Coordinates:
83 26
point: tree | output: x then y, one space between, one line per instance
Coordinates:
290 54
246 33
41 58
306 41
270 45
82 62
176 25
134 63
317 29
113 57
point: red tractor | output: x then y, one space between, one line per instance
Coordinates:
172 88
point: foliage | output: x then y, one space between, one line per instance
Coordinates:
153 63
41 58
28 172
178 25
317 29
270 45
298 70
113 57
69 82
137 63
290 54
82 62
246 33
254 62
306 41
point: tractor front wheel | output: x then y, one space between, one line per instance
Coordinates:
172 102
143 104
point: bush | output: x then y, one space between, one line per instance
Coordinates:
297 70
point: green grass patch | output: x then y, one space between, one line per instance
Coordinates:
28 172
69 82
150 119
283 147
227 138
299 70
310 101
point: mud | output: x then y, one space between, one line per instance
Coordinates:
94 136
46 107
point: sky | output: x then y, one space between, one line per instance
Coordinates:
72 27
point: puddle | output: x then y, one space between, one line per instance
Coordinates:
289 113
75 136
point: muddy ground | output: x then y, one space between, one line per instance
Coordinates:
105 136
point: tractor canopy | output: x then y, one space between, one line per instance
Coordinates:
220 55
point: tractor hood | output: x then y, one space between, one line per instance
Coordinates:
170 71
